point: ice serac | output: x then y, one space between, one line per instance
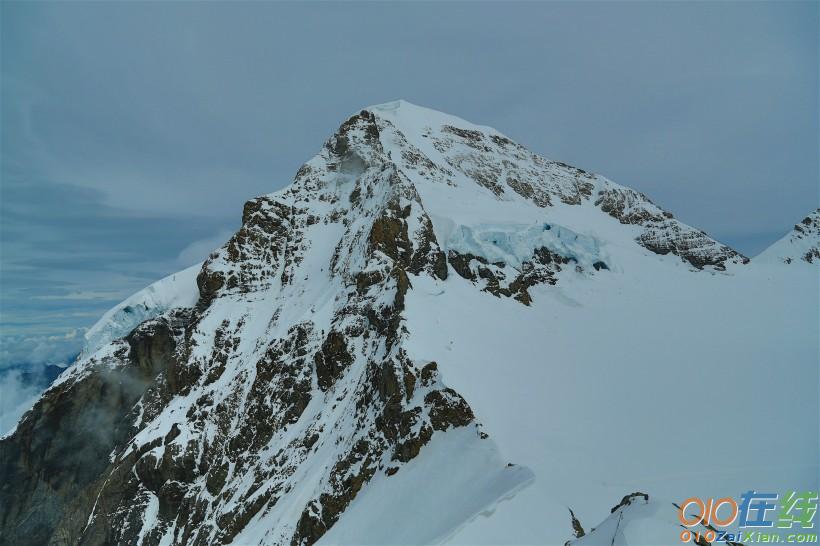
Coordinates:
285 391
800 245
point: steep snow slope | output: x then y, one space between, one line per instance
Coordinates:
800 245
177 290
432 335
645 379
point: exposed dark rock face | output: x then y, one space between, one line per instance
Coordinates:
629 499
331 360
507 169
448 408
152 344
389 236
577 528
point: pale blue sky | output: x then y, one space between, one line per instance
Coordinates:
133 132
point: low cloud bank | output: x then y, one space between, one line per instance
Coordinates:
19 390
17 351
28 364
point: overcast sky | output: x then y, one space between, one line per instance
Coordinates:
133 132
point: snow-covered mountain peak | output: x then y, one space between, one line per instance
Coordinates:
464 174
405 116
403 331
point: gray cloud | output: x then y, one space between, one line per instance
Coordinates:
54 349
133 132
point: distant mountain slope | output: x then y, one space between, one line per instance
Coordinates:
801 244
432 335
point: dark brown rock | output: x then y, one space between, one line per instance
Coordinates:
331 360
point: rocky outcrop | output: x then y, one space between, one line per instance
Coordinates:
691 245
577 528
809 230
629 499
501 280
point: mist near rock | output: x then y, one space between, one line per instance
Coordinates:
21 386
18 397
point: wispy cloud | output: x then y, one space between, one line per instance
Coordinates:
85 295
40 349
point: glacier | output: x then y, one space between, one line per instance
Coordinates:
514 244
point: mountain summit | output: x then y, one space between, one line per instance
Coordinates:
432 335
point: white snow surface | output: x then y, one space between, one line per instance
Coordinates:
652 379
648 376
458 479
